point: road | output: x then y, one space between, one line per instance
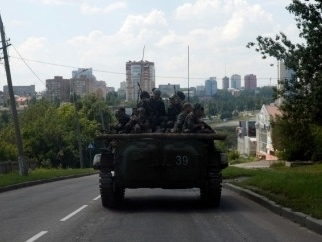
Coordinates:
70 210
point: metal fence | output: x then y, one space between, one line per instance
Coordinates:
9 166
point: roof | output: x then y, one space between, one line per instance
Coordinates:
272 110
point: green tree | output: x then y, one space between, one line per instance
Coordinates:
113 99
302 94
96 109
8 147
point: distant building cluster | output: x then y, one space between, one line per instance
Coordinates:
140 76
82 83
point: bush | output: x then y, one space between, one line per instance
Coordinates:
316 132
45 164
233 155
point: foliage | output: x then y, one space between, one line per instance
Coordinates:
112 99
293 139
230 142
316 132
301 93
49 132
96 109
4 119
233 155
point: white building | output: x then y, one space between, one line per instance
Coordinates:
263 131
246 137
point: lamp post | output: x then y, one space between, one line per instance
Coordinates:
80 150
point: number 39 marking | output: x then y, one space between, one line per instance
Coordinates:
182 160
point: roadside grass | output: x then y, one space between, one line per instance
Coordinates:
299 188
40 174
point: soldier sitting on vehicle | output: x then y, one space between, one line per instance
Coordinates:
174 109
181 99
122 119
145 102
138 123
193 124
158 115
187 108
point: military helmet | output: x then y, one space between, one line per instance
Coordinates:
181 95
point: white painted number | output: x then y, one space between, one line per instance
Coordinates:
182 160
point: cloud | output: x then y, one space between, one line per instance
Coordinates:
86 8
55 2
34 46
154 22
215 30
204 7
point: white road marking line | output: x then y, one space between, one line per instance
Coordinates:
37 236
98 197
73 213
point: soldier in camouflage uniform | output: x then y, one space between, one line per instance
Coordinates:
187 108
193 124
145 103
174 109
181 99
139 123
158 113
122 119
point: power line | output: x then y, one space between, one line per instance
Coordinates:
28 66
116 73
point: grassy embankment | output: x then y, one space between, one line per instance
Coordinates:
40 174
299 188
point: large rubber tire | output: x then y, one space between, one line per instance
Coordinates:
111 195
210 192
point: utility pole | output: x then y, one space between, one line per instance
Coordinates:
80 149
188 75
21 157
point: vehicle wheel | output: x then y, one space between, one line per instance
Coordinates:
111 195
210 192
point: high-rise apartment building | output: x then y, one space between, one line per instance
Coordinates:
58 88
283 74
211 86
250 81
225 83
82 82
121 92
235 81
139 74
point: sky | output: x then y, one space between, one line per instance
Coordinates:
54 37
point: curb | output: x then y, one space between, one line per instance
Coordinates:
38 182
297 217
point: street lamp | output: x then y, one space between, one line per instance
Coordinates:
80 150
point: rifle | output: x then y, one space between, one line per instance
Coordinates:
139 92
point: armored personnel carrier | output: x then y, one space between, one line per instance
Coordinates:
160 160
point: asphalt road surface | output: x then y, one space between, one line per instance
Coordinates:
70 210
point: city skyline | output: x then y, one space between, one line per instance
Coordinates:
103 35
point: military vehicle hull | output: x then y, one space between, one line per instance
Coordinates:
169 161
